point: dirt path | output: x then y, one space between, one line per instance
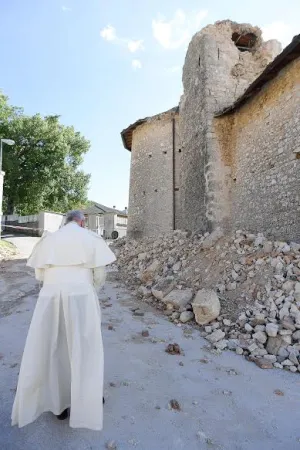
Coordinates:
226 403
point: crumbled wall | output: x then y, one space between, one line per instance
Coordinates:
259 142
151 177
215 74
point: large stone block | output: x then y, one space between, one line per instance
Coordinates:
163 288
206 306
179 297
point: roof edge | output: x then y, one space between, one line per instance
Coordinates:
126 134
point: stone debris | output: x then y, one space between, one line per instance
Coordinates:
204 361
111 445
243 292
138 313
279 392
263 363
174 405
216 336
7 250
186 316
179 298
173 349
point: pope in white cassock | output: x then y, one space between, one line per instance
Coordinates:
62 364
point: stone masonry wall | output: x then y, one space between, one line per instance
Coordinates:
262 140
215 74
151 178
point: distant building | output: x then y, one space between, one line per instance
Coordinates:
33 225
109 223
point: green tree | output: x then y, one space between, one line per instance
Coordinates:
43 167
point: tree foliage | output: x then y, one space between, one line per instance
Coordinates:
42 169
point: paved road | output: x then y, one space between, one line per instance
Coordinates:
226 402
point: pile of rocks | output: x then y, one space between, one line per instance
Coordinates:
244 292
7 250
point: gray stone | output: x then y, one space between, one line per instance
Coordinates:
288 323
293 357
278 365
268 247
212 238
179 297
111 445
233 344
206 306
287 362
285 333
274 344
175 315
144 291
176 268
215 336
297 291
148 275
142 256
296 335
283 353
163 288
288 286
252 347
186 316
231 286
227 322
271 358
221 345
261 337
272 329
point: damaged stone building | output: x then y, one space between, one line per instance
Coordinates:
229 155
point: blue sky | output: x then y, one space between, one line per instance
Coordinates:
102 65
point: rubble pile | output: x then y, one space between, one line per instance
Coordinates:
7 250
243 291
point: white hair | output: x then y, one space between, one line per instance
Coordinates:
74 216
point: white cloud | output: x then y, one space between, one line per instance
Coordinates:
66 8
136 64
176 32
109 33
280 31
134 46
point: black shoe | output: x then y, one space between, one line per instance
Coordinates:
64 415
103 400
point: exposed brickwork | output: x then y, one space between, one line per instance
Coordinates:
264 137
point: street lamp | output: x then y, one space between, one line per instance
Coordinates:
7 142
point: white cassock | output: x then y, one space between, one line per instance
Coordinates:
62 364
